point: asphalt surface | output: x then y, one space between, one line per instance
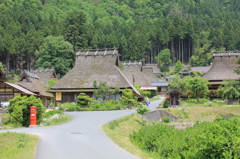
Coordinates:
80 138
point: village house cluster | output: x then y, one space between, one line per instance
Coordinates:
104 66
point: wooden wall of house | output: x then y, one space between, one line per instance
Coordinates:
7 92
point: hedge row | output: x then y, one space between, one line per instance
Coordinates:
219 139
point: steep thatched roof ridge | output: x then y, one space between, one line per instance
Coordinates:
132 63
223 68
33 83
154 66
134 74
45 75
90 68
97 52
30 74
148 72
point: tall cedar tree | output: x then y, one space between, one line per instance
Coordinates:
74 30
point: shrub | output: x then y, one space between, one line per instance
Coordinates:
166 119
68 107
219 102
19 110
217 139
203 100
51 113
166 103
83 99
192 100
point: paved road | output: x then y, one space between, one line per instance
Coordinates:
82 137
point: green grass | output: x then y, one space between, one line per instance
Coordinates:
203 111
18 145
120 134
55 119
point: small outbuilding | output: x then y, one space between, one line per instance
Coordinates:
174 97
186 73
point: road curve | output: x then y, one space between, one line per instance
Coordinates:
80 138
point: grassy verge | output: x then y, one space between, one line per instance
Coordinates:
120 134
57 119
18 145
204 110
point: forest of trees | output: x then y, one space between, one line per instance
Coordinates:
140 29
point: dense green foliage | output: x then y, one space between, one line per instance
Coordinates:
19 110
143 92
219 139
94 106
166 119
139 29
128 98
166 103
56 53
229 90
164 60
83 99
51 82
196 87
178 67
103 91
142 109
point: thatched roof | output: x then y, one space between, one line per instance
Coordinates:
90 65
133 72
44 75
148 72
174 91
186 73
2 77
32 82
21 89
223 67
203 69
154 66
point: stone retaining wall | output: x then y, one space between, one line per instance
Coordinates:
157 116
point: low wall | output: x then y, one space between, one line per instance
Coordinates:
157 116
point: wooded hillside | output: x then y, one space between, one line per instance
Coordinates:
140 29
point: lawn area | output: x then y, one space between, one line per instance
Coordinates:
204 111
120 134
18 145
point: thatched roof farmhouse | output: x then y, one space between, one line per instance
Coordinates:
9 90
133 72
90 65
148 71
223 66
155 68
36 81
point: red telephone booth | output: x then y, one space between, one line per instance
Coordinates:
33 116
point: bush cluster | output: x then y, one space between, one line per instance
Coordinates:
98 106
19 110
166 103
219 139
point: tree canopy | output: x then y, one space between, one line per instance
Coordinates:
56 53
190 29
